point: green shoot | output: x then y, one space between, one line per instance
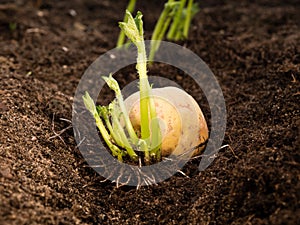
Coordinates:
130 8
188 18
104 113
115 128
90 105
187 14
177 18
113 84
134 31
156 139
162 26
115 114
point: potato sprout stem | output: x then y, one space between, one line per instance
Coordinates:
130 8
113 84
172 32
188 18
90 105
177 18
161 27
134 31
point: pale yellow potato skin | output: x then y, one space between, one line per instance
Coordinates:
181 120
169 121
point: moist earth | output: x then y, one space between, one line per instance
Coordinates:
252 47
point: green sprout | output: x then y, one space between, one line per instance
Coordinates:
90 105
177 20
113 132
173 24
113 84
191 10
134 31
121 38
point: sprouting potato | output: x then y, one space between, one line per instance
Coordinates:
176 121
182 123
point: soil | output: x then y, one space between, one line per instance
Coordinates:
253 48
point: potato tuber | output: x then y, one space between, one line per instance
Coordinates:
182 123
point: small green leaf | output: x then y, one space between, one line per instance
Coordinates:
133 28
89 103
112 84
139 23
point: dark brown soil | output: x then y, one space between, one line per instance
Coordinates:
253 47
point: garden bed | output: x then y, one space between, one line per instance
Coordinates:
253 50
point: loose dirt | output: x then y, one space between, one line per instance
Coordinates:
253 48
